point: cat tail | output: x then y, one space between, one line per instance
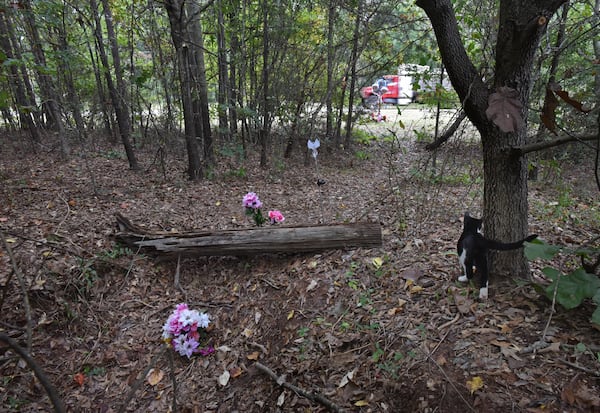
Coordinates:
506 246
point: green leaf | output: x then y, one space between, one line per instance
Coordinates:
539 249
572 288
596 320
596 297
551 273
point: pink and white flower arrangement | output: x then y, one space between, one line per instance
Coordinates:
184 329
253 205
276 217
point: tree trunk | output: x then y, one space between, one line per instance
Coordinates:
118 95
355 40
266 114
199 85
597 52
46 84
181 40
331 14
521 25
16 83
73 102
102 100
161 67
223 88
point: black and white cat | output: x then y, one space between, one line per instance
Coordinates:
472 248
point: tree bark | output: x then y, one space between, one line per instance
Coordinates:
222 64
116 98
353 61
266 112
181 40
119 95
199 85
46 84
73 103
331 15
15 81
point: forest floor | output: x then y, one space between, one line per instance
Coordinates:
369 330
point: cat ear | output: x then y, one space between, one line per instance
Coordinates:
467 214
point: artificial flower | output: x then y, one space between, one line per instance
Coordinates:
276 217
251 201
184 329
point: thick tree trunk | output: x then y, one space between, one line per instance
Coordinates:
200 87
505 206
521 24
249 241
180 38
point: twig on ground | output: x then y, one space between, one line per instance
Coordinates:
24 291
315 397
173 380
139 381
535 347
176 282
259 346
38 371
448 379
578 367
449 323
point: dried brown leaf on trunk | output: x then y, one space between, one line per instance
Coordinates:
504 109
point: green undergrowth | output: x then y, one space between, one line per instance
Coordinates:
570 288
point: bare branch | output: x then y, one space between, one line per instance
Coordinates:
38 371
538 146
23 288
315 397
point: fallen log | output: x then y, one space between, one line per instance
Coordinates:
264 240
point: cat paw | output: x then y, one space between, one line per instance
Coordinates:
463 279
483 293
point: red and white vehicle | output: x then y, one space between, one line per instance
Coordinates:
400 89
394 89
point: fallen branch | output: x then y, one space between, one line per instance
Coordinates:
315 397
37 370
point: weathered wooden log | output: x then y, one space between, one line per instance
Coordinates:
271 239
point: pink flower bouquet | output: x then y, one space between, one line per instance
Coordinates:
184 329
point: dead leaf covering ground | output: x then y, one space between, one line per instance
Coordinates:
386 330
